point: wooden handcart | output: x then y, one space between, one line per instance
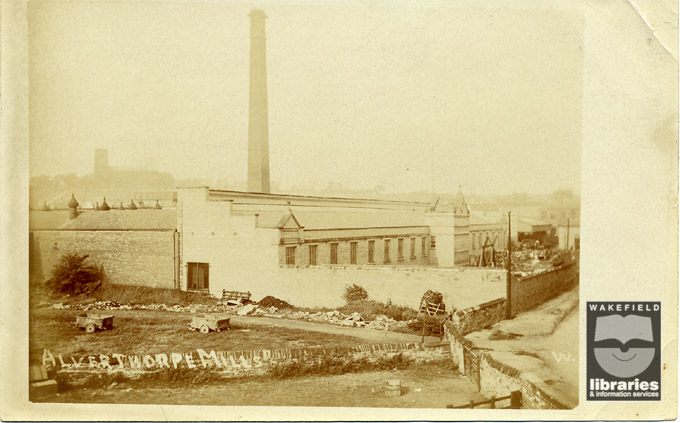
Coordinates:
210 322
92 322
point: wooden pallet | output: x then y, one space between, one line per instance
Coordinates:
235 295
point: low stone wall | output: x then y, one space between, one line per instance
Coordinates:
479 317
236 363
532 291
498 379
493 377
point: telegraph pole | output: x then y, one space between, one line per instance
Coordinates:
567 234
508 284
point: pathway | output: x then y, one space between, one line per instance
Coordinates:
374 336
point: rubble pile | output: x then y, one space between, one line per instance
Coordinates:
333 317
530 262
270 301
351 320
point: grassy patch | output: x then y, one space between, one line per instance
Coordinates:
128 294
150 332
184 377
338 366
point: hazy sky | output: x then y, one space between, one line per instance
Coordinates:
360 92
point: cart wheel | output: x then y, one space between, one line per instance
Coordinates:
205 329
89 328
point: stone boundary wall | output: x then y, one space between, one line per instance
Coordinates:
496 378
324 286
144 258
532 291
236 363
479 317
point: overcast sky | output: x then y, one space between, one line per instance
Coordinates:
362 93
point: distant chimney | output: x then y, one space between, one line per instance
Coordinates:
73 207
258 120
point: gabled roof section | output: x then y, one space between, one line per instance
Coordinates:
289 221
460 206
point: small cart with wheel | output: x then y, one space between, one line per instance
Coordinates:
210 322
92 322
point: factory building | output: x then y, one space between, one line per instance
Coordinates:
212 240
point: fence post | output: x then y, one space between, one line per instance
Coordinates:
515 399
472 403
493 402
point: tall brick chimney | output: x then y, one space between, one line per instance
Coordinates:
258 121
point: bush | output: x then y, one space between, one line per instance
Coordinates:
73 276
354 294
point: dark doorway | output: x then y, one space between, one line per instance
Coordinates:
198 276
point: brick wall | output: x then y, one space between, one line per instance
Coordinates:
479 317
129 257
530 292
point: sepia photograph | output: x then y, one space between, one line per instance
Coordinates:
356 204
304 205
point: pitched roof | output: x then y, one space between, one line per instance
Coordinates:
532 222
334 219
143 219
41 219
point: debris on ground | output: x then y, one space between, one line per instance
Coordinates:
246 309
262 309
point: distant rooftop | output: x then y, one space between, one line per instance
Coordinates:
131 220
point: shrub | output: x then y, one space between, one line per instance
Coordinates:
354 294
73 276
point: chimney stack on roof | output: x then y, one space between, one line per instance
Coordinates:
73 207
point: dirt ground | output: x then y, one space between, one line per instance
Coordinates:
545 348
431 385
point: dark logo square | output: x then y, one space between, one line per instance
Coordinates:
623 358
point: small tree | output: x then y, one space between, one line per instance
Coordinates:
73 276
355 294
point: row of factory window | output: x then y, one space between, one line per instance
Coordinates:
353 250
